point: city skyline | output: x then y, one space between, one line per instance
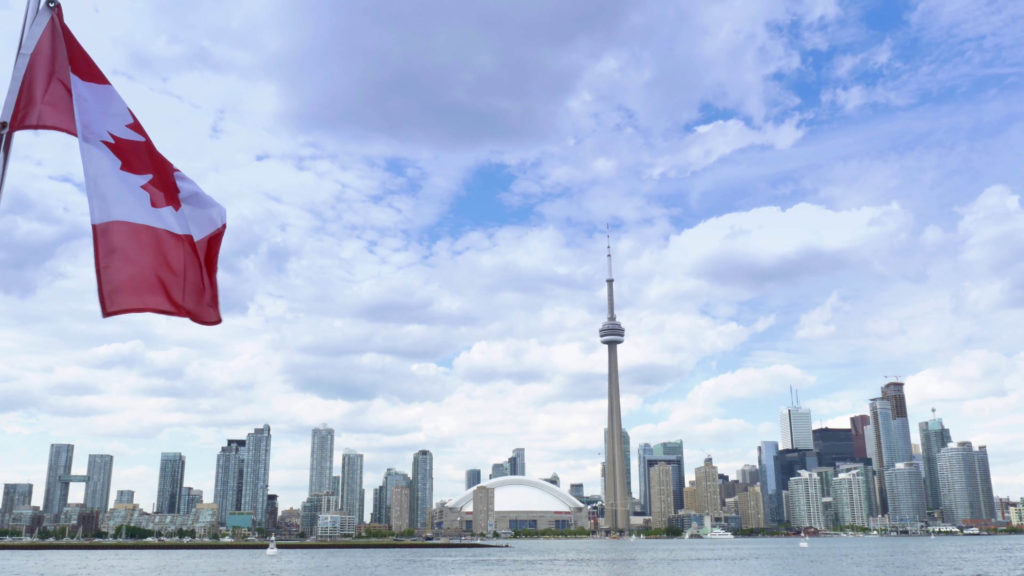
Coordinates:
817 195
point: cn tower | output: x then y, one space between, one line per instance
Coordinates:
616 501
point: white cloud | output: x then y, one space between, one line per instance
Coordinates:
817 322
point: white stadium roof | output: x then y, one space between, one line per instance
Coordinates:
521 494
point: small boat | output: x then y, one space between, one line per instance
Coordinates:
272 549
804 543
718 534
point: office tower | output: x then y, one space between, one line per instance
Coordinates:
517 462
617 501
771 493
795 428
15 495
851 494
421 489
352 484
401 508
984 480
893 392
905 487
671 454
748 475
97 487
171 482
934 437
382 505
321 459
227 487
499 470
805 501
576 490
662 503
709 500
857 424
472 477
55 497
125 497
750 505
255 483
833 445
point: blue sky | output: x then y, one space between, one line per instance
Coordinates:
813 194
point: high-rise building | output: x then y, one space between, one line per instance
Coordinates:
401 508
626 443
958 483
321 459
227 491
851 497
857 425
988 503
833 445
893 392
709 500
668 453
662 502
883 454
795 428
352 485
55 498
97 487
748 475
171 482
499 470
617 501
905 487
382 503
771 492
750 505
421 489
125 497
576 490
14 495
256 480
934 437
517 462
805 502
472 477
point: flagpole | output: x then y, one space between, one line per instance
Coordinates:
32 9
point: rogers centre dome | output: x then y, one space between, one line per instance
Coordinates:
512 503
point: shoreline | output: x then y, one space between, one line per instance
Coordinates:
285 545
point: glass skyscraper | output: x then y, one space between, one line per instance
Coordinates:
795 428
97 487
421 490
55 498
934 437
321 459
227 487
255 482
352 485
172 480
671 454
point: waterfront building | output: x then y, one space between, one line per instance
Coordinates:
966 490
934 437
382 499
125 497
171 482
1016 514
256 480
805 502
851 498
709 500
617 497
833 445
988 510
55 496
401 510
97 487
771 492
228 479
668 453
315 506
662 497
905 487
15 496
750 507
883 451
321 459
352 494
271 516
421 489
472 477
511 503
865 474
795 428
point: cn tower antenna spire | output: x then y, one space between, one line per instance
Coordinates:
616 498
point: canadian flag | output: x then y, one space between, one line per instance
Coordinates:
156 235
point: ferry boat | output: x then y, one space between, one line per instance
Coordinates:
718 534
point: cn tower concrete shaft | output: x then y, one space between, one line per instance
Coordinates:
616 500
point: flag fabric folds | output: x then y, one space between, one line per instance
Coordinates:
156 235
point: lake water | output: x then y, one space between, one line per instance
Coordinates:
903 556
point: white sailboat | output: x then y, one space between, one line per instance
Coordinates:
272 549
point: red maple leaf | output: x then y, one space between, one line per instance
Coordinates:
141 157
